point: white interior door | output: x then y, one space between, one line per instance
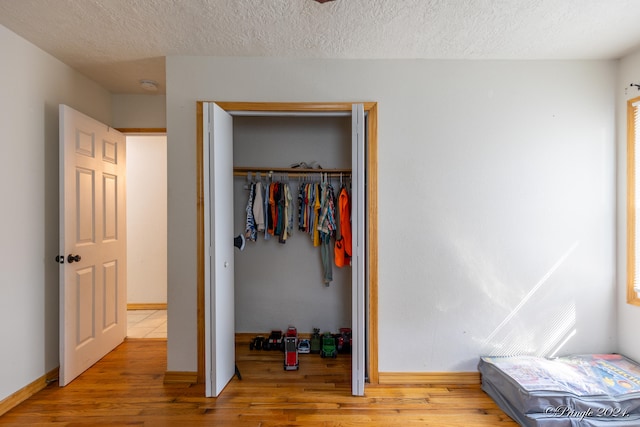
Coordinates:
92 242
219 257
358 261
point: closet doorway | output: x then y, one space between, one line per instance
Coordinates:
215 220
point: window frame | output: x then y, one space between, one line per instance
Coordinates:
632 110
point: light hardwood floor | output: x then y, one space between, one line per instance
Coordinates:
126 388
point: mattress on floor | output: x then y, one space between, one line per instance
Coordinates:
581 390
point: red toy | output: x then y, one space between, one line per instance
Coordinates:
291 362
343 340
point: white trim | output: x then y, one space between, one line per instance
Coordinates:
357 250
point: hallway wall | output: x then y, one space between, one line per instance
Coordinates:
146 219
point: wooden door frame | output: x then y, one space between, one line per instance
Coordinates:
371 167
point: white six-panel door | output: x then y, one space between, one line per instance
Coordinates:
92 242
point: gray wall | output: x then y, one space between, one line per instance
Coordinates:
496 199
32 84
139 111
628 315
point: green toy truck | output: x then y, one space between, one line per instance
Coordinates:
329 348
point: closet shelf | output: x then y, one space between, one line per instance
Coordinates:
243 170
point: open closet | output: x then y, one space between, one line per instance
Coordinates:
280 276
274 282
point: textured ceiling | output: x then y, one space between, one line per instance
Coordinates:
119 42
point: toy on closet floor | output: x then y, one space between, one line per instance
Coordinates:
291 362
274 342
316 341
257 343
329 348
304 346
343 340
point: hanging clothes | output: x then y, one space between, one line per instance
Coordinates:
316 215
310 203
301 206
287 214
325 255
325 228
273 209
290 210
265 212
326 220
320 214
250 232
270 211
338 249
285 217
258 207
279 208
342 248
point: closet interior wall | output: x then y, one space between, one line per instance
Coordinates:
278 285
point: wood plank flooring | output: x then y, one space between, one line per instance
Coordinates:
126 388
